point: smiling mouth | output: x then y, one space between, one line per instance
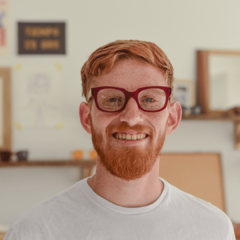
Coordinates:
130 137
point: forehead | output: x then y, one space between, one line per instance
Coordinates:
131 74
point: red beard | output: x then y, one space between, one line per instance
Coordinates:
127 162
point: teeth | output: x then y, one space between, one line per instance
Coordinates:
130 137
134 137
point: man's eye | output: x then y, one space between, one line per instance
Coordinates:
148 99
114 99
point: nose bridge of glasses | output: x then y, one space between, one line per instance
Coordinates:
131 98
131 113
133 95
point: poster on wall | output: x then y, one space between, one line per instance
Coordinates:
4 27
38 96
41 38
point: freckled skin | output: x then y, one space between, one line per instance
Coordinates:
129 189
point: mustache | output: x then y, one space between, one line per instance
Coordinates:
124 126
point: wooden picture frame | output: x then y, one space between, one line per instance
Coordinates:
5 108
203 78
184 92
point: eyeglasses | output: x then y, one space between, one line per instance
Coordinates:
113 99
5 156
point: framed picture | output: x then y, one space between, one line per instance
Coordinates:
5 109
184 92
218 80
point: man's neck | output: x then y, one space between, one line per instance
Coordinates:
135 193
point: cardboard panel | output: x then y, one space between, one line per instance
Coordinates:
199 174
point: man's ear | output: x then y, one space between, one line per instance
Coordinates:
174 118
84 113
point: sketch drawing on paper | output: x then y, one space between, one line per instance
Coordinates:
38 98
38 90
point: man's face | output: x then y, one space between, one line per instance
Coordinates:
129 159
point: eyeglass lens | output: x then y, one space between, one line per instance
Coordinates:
149 99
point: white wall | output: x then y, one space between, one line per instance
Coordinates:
178 27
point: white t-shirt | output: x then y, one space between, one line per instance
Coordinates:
79 213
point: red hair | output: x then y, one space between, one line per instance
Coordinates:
104 58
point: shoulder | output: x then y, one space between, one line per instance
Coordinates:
39 221
198 213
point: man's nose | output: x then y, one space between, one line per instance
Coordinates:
131 113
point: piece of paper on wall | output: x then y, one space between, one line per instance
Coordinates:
38 95
1 112
4 27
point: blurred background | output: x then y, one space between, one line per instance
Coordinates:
180 28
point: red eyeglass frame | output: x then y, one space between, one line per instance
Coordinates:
134 95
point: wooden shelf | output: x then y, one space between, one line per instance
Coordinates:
80 163
212 116
86 166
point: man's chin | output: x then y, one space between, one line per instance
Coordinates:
126 162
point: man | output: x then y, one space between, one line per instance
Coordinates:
128 86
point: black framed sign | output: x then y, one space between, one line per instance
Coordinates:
41 38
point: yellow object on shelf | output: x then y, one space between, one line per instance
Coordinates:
92 154
77 154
